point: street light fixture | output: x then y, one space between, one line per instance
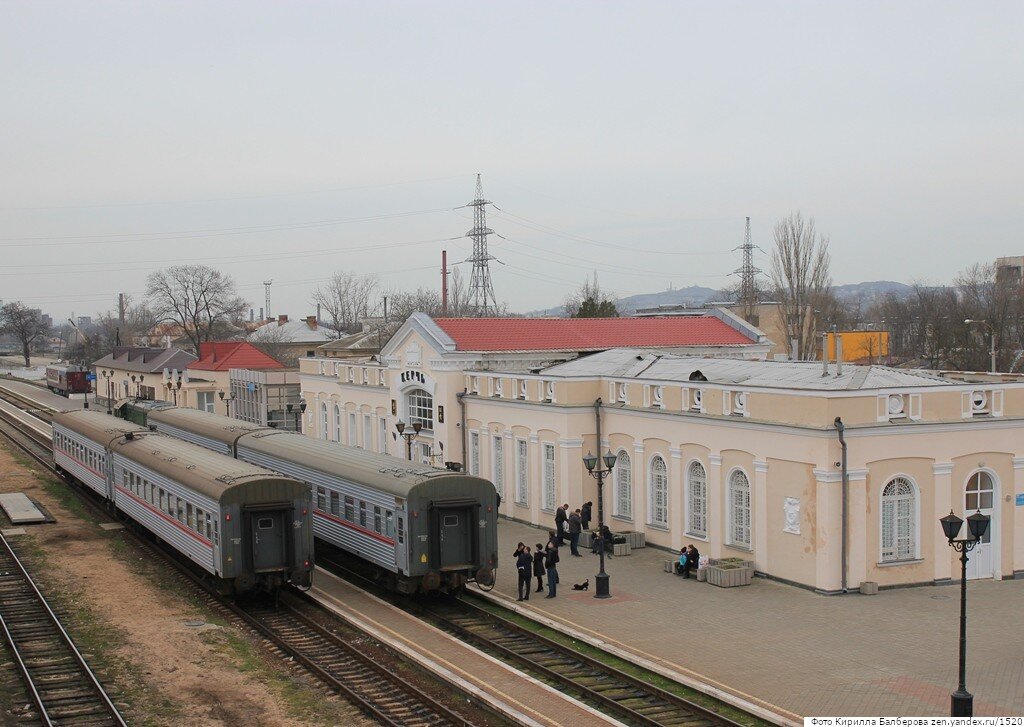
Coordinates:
408 436
590 462
108 375
962 701
991 339
227 401
298 414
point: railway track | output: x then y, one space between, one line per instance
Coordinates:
591 680
379 692
59 682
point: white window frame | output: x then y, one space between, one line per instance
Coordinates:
890 550
367 433
474 453
549 476
696 499
498 464
206 401
382 435
324 433
419 407
337 423
522 472
623 500
353 430
741 515
658 514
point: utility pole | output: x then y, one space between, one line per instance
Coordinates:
444 283
748 293
481 291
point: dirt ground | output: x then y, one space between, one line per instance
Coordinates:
171 658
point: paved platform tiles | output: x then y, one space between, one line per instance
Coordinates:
44 396
20 509
891 654
525 700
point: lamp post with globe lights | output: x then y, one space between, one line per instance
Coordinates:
408 436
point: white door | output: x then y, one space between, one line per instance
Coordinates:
980 495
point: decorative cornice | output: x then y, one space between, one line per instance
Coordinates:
675 452
942 468
760 465
570 443
1018 463
827 476
715 460
534 438
856 475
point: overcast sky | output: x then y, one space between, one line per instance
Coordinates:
613 136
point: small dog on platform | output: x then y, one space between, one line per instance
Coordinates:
584 586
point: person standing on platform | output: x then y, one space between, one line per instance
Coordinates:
538 566
560 518
575 527
585 514
524 564
551 562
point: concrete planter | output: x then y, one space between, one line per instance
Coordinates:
635 539
732 562
869 588
670 566
622 549
728 575
702 575
586 539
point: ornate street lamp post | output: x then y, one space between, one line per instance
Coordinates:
408 436
590 462
298 414
107 375
227 401
962 701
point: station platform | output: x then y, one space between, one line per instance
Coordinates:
42 396
522 698
785 649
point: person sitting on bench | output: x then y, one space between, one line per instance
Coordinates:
692 560
598 542
681 564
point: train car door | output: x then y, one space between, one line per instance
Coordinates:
455 534
269 550
401 534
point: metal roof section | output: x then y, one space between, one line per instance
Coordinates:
145 360
664 366
206 424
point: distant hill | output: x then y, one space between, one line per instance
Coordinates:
695 296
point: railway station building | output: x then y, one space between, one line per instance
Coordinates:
715 445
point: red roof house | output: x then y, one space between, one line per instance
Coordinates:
224 355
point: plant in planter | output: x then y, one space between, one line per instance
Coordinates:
731 574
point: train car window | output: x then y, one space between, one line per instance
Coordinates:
389 524
335 503
401 529
321 499
377 522
350 509
265 523
209 529
181 511
190 514
362 514
451 521
162 505
216 535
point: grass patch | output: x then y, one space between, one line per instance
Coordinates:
628 667
301 701
70 500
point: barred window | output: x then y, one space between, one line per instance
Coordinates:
474 453
335 502
323 421
350 508
697 499
623 485
421 409
498 461
739 509
337 423
659 492
352 434
521 472
899 515
321 499
549 477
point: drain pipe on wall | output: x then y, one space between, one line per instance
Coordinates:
840 428
462 425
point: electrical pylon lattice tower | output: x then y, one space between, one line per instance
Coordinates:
266 284
749 293
481 290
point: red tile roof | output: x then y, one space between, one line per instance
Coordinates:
588 334
224 355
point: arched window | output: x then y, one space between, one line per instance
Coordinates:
623 485
337 423
323 420
420 407
899 520
697 500
739 509
980 492
659 492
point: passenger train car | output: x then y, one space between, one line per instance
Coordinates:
423 528
66 380
248 527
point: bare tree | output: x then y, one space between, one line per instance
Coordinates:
200 299
109 330
590 300
345 298
800 274
273 341
25 324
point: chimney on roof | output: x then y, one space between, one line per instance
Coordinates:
282 319
311 322
261 314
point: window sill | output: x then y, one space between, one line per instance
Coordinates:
743 548
623 519
695 536
894 563
655 526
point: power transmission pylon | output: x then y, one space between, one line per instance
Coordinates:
749 294
266 284
481 291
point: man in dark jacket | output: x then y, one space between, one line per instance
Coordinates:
560 518
538 566
585 514
692 560
575 526
524 564
551 563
